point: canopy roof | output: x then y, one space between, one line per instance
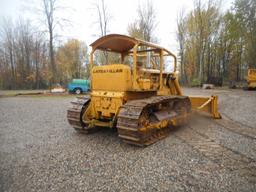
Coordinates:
122 43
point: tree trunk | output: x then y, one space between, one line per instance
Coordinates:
52 60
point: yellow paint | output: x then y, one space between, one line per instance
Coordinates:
106 103
251 78
144 84
206 104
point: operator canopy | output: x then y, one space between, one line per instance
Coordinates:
122 43
115 43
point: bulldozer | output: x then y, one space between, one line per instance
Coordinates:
251 79
138 96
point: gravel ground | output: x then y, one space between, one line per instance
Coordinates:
40 152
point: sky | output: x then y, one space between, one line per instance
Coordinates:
82 15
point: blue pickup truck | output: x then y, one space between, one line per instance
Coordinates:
79 86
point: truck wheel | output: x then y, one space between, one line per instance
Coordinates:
78 91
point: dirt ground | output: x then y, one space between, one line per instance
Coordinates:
39 151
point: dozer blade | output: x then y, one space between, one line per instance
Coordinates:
207 105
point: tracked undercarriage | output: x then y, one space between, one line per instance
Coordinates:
139 122
74 114
143 122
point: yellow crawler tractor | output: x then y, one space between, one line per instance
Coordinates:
138 95
251 79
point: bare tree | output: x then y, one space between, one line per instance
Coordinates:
48 16
103 17
147 20
7 34
181 32
145 25
21 54
38 56
103 20
49 8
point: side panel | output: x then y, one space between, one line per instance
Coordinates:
116 77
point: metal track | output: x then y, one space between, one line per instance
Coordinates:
74 114
132 119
